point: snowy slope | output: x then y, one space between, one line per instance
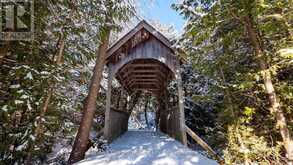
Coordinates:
147 148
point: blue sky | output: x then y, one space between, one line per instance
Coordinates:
160 10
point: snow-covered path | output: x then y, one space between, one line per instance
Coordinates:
147 148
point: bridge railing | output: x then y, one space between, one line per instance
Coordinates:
204 145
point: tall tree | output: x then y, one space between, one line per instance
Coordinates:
269 87
30 109
248 18
81 141
244 40
116 10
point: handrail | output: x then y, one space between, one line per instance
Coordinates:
204 145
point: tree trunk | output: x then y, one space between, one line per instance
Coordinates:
269 88
58 61
80 143
46 103
135 99
157 119
145 112
38 130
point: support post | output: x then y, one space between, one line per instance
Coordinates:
181 106
107 127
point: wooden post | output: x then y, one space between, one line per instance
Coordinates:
181 106
107 127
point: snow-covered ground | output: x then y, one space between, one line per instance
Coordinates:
147 148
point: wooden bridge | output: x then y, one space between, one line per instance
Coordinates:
143 60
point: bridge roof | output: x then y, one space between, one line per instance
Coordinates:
131 34
143 59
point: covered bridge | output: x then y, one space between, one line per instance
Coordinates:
143 60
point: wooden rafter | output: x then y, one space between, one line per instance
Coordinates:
142 81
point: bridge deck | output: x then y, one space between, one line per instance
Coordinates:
147 148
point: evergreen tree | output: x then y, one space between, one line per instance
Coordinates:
238 45
113 10
43 81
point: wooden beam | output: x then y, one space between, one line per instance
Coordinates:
130 70
145 86
138 80
127 82
144 79
146 71
146 75
204 145
154 92
142 84
148 66
143 76
143 64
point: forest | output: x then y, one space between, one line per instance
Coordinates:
237 78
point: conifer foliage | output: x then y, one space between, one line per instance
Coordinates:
237 80
244 47
44 81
